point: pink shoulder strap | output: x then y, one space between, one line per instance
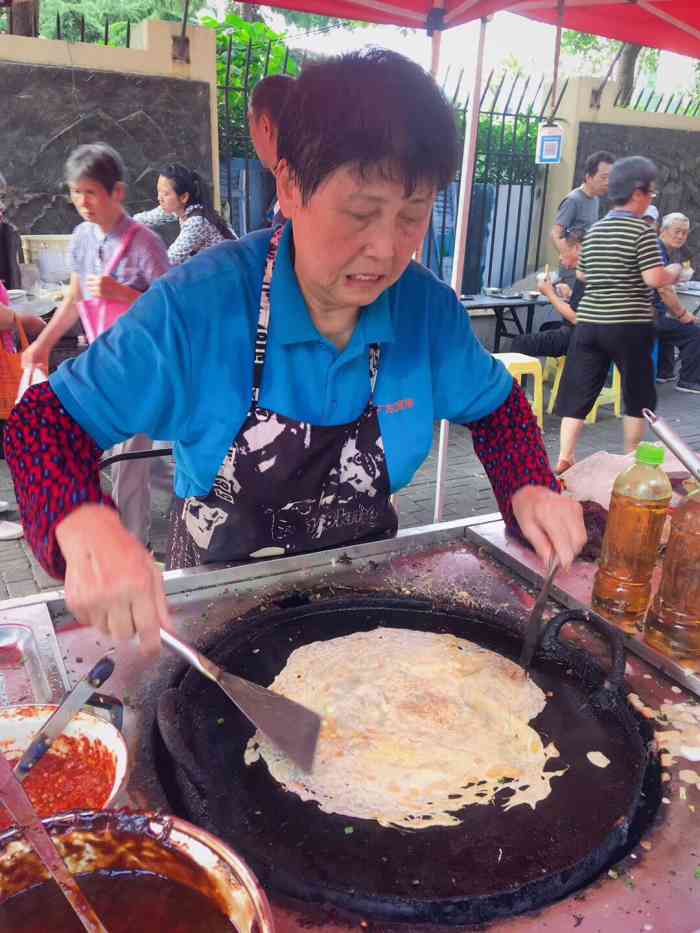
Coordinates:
122 249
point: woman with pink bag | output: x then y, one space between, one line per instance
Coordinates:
113 261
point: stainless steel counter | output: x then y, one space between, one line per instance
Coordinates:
654 890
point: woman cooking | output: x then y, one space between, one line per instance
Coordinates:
299 371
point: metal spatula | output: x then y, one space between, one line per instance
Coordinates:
290 726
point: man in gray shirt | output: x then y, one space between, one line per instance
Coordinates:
580 208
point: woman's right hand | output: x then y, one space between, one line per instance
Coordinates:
112 582
36 356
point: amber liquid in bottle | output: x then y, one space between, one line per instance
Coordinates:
638 508
673 621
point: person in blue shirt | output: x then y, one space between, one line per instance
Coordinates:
298 371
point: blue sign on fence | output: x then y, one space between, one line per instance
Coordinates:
550 142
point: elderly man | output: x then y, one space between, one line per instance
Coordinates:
675 325
580 209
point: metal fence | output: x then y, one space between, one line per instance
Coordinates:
72 27
680 104
246 189
507 201
506 211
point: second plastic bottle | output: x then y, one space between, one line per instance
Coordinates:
638 506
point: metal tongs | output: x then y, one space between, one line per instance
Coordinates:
534 627
675 444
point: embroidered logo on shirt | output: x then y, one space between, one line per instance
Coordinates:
392 407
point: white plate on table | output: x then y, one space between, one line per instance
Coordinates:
34 307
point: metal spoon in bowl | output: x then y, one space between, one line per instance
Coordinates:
13 796
292 727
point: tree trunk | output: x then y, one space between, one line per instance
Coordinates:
626 76
24 15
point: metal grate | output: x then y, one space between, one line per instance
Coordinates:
504 211
646 100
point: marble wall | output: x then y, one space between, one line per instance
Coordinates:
47 111
676 154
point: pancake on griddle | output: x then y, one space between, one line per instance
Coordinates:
416 725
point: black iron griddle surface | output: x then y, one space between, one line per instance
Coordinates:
299 850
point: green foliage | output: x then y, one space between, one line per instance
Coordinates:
313 22
597 53
255 51
506 148
118 11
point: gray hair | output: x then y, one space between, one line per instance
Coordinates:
98 162
675 217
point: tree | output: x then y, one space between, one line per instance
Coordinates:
313 22
255 51
24 16
598 53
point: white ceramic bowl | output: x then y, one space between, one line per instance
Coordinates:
17 295
19 725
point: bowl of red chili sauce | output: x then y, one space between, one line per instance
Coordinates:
142 872
83 770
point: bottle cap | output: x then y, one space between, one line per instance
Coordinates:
651 454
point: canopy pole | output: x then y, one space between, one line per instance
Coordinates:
435 44
557 55
461 232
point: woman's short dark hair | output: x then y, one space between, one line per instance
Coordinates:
594 161
629 175
186 181
98 162
372 110
270 96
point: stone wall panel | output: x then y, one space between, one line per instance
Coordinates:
48 111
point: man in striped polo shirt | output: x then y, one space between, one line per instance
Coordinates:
620 264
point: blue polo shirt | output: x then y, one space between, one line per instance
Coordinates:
179 365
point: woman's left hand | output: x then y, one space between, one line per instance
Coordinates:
552 523
105 287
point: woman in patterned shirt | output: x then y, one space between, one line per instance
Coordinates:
182 196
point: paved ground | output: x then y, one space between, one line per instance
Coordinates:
467 489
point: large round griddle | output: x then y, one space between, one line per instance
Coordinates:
495 863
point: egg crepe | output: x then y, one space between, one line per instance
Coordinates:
416 725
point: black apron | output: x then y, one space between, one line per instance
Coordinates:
287 487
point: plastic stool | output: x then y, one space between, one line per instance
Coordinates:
610 395
560 362
519 365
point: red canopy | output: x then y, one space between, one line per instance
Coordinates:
411 13
673 25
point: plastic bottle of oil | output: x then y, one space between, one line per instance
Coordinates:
640 498
673 621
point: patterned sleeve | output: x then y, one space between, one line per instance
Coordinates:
509 444
154 217
194 236
54 466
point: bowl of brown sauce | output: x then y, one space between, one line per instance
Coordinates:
140 871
